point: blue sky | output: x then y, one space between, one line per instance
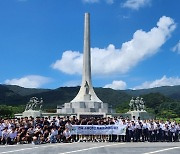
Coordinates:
135 43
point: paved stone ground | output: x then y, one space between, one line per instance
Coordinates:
93 148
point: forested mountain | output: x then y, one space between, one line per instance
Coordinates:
15 95
170 91
162 101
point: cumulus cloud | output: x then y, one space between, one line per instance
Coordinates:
70 63
31 81
117 85
164 81
118 61
135 4
176 48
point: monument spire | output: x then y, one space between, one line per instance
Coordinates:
87 55
86 92
86 102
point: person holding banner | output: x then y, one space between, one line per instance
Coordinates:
122 137
66 129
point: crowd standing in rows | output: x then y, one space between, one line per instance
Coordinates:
58 129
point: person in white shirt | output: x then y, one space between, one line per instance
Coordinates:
1 130
68 125
4 125
53 136
166 132
12 137
144 131
172 131
138 132
158 132
5 134
122 137
30 134
130 131
66 135
37 134
151 129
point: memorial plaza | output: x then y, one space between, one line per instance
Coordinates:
86 124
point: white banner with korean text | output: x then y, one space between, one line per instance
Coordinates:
98 130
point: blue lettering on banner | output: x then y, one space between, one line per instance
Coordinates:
99 129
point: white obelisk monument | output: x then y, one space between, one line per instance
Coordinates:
86 92
86 100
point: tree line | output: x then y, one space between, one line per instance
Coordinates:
156 103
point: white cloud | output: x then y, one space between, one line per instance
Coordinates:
30 81
71 62
118 61
136 4
90 1
164 81
176 48
117 85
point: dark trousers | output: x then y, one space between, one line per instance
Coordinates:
121 138
158 136
4 141
166 136
11 141
173 137
138 134
66 140
144 134
130 135
8 141
151 136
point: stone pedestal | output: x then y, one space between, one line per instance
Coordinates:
90 114
86 107
32 113
142 114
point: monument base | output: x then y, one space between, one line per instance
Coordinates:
90 114
32 113
84 107
142 114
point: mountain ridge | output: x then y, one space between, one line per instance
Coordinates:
16 95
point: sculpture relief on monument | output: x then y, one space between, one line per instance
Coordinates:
87 88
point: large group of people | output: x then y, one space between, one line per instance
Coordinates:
42 130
